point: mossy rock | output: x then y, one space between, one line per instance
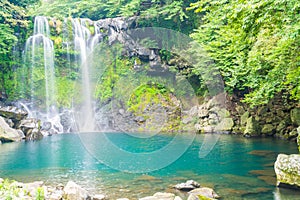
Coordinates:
244 118
268 129
298 138
225 125
295 116
252 128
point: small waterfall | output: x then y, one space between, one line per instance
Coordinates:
39 55
84 43
39 50
79 38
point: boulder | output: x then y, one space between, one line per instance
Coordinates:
244 118
187 186
31 129
252 128
75 192
204 193
226 124
13 113
287 169
295 116
162 196
8 134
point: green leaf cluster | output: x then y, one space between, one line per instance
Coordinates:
254 44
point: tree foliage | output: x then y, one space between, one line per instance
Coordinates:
255 45
12 21
167 13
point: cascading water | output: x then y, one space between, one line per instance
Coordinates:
78 44
84 42
41 49
39 53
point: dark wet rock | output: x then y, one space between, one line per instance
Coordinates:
8 134
31 128
66 120
9 122
204 193
287 169
46 126
13 113
187 186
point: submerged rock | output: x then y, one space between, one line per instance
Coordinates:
287 169
187 186
8 134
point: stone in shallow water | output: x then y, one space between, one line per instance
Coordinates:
287 169
187 186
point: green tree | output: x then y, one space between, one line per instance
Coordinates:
255 45
12 20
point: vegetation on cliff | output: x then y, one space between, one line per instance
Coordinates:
254 44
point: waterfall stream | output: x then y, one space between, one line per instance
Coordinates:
39 51
39 54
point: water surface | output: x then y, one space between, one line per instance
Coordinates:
237 167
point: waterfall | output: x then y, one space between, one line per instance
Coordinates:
78 44
39 48
39 54
84 43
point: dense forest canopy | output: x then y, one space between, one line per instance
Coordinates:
253 43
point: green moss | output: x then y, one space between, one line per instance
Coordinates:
148 94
